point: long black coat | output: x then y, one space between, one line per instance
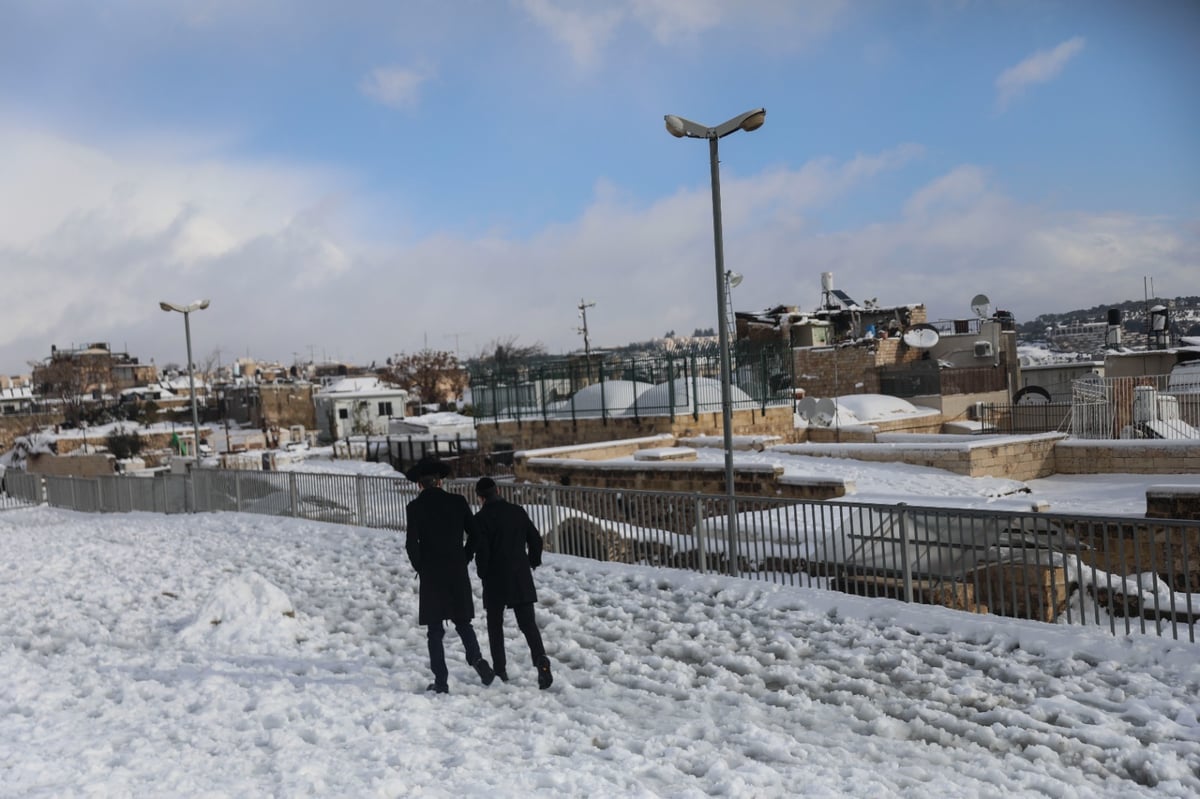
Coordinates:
508 547
440 543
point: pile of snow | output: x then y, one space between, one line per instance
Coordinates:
879 408
244 614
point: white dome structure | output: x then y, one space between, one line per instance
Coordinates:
703 394
612 397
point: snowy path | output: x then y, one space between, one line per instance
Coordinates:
667 684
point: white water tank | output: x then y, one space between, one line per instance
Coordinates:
1145 404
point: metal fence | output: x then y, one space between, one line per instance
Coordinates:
1147 406
1124 574
672 384
1007 418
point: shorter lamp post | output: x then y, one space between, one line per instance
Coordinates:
186 310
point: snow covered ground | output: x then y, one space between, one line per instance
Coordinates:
223 655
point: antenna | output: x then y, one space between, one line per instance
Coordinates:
982 306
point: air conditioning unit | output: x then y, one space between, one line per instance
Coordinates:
983 349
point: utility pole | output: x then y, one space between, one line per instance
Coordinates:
587 347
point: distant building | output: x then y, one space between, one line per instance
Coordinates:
94 370
355 406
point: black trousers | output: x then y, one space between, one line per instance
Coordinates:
525 620
437 651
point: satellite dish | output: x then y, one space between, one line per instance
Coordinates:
807 407
734 278
825 412
921 337
982 306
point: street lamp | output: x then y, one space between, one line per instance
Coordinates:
684 128
186 310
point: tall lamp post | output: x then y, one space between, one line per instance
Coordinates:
186 310
684 128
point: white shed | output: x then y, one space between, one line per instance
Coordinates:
355 406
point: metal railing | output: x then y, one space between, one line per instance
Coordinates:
1007 418
1125 574
671 384
1147 406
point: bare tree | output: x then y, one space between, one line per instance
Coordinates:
70 383
505 353
431 376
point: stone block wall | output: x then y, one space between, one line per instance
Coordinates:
1170 551
74 465
537 434
286 404
1015 457
1173 502
833 371
1087 456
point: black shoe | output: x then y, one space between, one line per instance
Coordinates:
484 669
502 674
438 688
545 678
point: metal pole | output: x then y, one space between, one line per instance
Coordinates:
187 329
723 338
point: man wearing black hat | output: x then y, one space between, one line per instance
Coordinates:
438 521
508 548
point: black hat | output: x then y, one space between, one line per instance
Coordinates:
485 486
428 467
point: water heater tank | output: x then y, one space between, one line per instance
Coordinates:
827 281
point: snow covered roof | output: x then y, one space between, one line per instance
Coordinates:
361 386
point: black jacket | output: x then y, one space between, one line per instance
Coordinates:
508 547
438 523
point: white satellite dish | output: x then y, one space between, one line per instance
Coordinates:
807 407
982 306
921 337
826 412
734 278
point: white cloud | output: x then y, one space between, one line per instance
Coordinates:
397 87
779 24
960 185
583 33
96 237
1040 67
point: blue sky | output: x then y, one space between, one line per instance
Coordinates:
361 179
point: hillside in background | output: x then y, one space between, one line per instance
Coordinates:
1184 317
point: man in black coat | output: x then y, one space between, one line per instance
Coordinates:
508 547
438 521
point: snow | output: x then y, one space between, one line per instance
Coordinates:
118 683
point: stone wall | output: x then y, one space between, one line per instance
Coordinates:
1170 551
16 425
1014 457
833 371
1173 502
536 433
287 404
1090 456
94 465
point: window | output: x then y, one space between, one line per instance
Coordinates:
385 409
343 413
